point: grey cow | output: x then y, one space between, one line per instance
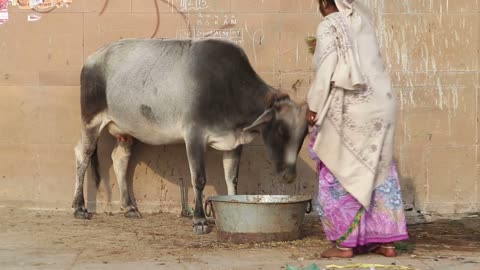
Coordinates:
201 93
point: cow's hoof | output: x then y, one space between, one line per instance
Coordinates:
201 227
285 179
133 212
81 213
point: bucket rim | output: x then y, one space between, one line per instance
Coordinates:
261 199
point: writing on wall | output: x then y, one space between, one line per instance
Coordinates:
214 26
191 5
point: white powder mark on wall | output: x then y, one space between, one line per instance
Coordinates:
440 94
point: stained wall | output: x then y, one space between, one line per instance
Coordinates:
431 48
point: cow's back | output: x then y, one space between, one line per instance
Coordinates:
154 87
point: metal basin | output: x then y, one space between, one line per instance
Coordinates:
258 218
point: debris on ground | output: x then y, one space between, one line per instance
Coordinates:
311 267
112 237
370 267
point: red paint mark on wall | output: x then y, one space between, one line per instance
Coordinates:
3 11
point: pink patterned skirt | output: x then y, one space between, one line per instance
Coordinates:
344 219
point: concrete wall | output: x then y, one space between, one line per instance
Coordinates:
430 46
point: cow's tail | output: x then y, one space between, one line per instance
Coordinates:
94 164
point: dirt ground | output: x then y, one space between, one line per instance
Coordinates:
111 238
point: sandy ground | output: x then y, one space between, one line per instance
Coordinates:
55 240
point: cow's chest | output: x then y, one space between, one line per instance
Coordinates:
227 141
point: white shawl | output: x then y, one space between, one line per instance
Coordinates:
355 105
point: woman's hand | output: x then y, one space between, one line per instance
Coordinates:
311 118
311 44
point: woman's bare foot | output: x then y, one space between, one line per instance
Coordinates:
338 252
387 250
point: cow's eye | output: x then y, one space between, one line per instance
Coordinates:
280 131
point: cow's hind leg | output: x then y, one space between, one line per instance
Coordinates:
196 160
121 156
83 154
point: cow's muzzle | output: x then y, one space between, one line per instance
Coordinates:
288 175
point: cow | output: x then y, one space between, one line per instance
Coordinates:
201 93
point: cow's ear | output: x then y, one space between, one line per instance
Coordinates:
274 97
265 118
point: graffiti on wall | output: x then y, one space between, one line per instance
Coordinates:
214 26
191 5
3 11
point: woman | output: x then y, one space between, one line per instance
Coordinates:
352 109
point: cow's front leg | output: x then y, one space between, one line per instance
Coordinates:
196 159
231 164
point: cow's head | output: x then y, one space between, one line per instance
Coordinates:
283 126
